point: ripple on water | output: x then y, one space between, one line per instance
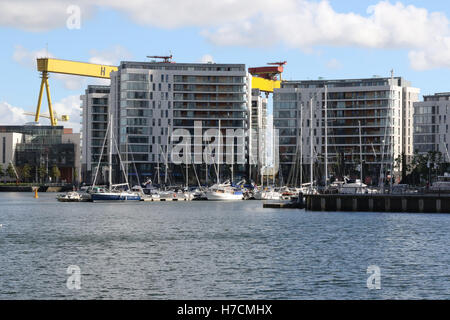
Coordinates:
214 250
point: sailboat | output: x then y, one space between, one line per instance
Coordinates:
222 191
112 193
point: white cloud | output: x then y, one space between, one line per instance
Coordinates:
71 106
27 58
42 15
301 24
200 13
110 56
334 64
207 58
11 115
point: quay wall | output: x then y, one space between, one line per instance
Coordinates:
428 203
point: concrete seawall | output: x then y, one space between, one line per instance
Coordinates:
428 203
42 188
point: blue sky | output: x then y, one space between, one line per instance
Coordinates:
344 40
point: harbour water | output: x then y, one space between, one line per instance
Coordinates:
216 250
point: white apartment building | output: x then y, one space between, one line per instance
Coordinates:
431 124
94 124
8 142
381 107
258 144
150 99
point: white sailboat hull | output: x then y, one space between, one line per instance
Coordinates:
223 196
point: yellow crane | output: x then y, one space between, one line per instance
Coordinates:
55 116
265 78
50 65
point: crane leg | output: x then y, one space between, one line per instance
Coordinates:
38 109
49 100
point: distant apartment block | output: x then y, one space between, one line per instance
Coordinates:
40 146
150 99
258 116
381 107
431 124
94 124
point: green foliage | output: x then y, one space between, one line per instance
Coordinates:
10 171
423 166
26 172
55 173
42 172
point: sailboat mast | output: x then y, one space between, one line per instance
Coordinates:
187 168
166 158
273 155
326 136
232 162
360 153
311 144
157 163
110 151
218 156
301 144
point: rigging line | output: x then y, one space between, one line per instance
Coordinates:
165 160
101 156
134 165
120 160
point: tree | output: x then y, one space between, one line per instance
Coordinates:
75 175
2 172
42 173
10 171
26 172
55 174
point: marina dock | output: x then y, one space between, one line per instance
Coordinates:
410 203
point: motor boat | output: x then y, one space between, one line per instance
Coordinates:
71 196
224 192
353 187
268 194
442 185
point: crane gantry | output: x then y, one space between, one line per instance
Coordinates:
265 78
50 65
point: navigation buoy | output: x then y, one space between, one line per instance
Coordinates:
36 193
